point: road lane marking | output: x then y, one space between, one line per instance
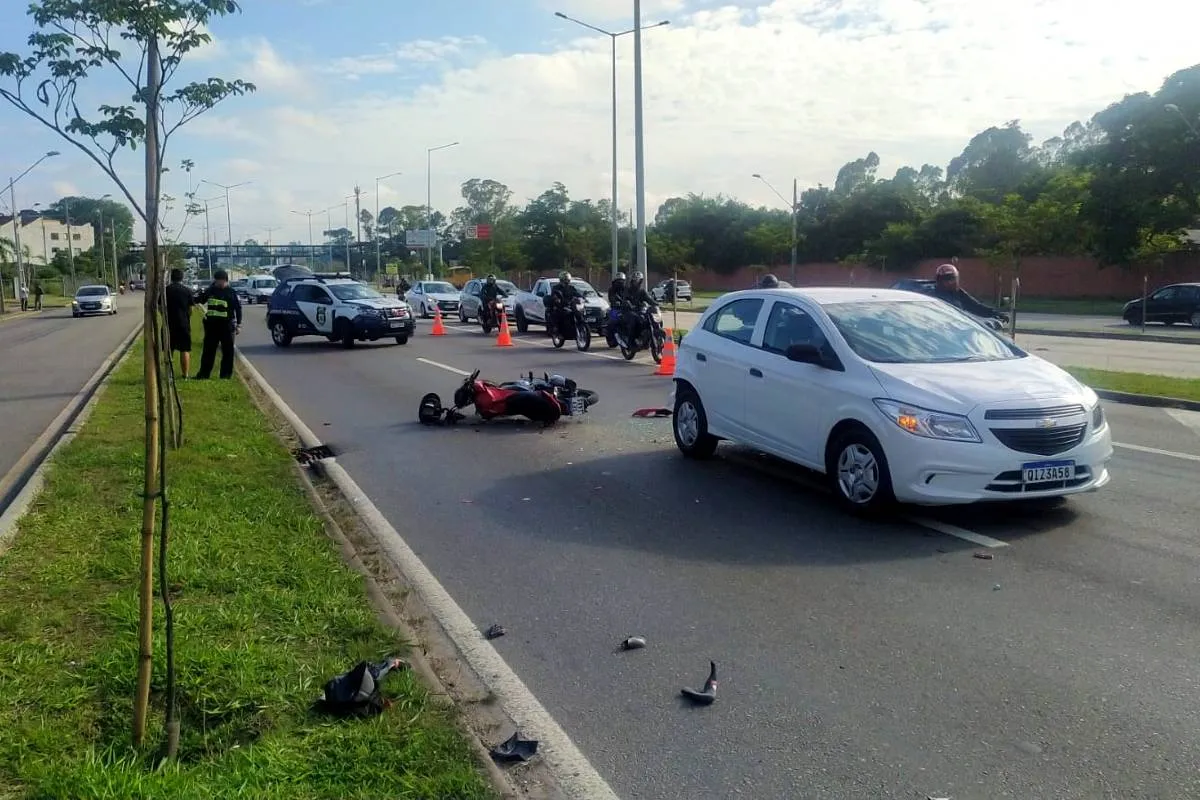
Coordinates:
1155 451
956 532
1190 419
446 367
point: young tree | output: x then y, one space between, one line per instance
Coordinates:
144 42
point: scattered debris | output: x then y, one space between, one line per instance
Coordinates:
356 693
307 455
996 588
495 632
984 556
515 749
633 643
705 696
657 413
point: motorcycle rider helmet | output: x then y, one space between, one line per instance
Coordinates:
768 281
491 280
638 278
945 272
430 410
564 277
621 276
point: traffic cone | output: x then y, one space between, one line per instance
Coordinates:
667 366
505 338
438 328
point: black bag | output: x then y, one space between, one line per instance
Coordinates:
356 693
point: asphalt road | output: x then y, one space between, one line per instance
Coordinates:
45 359
857 660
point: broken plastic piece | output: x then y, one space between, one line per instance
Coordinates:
652 412
707 695
494 632
307 455
633 643
984 556
515 749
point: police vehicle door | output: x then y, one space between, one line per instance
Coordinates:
316 305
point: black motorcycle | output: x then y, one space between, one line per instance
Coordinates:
650 336
489 314
571 318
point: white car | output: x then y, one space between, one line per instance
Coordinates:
427 296
890 394
98 299
259 288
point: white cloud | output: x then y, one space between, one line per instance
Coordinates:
65 189
269 71
792 87
601 11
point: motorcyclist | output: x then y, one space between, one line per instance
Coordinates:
402 287
490 293
946 288
562 295
768 281
616 291
635 296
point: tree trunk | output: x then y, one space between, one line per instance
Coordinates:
152 345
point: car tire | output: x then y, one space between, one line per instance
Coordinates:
462 316
280 335
401 340
345 334
1194 319
694 440
858 474
522 323
75 315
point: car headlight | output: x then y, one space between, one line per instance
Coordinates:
370 312
1098 420
929 424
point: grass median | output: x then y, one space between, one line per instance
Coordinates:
1139 383
266 612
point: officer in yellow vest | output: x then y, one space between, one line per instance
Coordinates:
222 318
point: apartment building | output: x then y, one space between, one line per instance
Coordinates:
43 236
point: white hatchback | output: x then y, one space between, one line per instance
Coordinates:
893 396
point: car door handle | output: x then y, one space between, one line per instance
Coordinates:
755 372
701 357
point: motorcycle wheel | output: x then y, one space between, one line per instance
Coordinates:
487 326
590 397
556 338
628 353
583 336
656 350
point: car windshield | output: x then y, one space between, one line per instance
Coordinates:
266 283
353 291
92 291
584 288
507 286
440 288
916 332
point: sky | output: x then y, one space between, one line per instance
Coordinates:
352 90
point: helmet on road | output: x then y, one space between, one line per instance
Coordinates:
768 281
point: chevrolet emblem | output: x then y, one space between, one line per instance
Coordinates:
1047 423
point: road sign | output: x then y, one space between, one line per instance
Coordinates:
481 231
472 232
419 238
392 269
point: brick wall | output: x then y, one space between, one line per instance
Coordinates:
1043 277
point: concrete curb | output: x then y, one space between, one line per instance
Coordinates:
12 315
61 431
1147 400
570 769
1118 337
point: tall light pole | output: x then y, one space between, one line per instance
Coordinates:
308 214
270 252
429 200
329 230
639 138
616 225
228 221
12 196
208 237
378 255
1171 108
795 205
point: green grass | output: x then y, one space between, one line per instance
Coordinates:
266 612
1138 383
1087 308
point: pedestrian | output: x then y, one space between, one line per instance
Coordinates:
222 318
179 321
24 297
37 296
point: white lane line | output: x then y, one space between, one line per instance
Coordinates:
1190 419
1155 451
446 367
569 766
956 532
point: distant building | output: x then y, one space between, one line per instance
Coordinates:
42 236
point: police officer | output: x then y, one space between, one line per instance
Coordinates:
222 318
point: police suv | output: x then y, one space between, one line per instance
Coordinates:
334 306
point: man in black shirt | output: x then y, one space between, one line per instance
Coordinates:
179 321
222 318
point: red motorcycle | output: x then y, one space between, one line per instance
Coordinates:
543 400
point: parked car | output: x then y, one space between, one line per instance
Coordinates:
892 396
922 285
337 307
1179 302
95 299
531 305
427 296
683 290
469 300
258 288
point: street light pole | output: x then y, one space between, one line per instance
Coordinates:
795 205
613 36
429 200
378 255
228 219
308 214
639 138
12 196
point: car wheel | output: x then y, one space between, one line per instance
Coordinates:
1194 319
522 323
280 334
690 425
75 315
401 340
858 473
462 315
345 335
1134 319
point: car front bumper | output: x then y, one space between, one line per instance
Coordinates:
379 327
88 311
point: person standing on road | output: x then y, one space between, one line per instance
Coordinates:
37 295
24 297
179 321
222 318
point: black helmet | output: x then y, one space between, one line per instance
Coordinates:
638 277
491 278
768 282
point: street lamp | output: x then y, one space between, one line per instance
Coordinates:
639 139
228 222
1171 108
329 229
378 259
308 214
12 196
795 205
613 37
429 199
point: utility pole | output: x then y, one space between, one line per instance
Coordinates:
795 223
357 224
639 140
70 239
270 252
103 266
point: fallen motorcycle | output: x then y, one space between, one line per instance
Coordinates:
543 400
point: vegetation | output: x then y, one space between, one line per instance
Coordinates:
266 610
1138 383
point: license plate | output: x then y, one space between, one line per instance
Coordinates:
395 324
1047 471
578 405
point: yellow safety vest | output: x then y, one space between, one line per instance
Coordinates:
216 308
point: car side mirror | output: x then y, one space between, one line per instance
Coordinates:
806 354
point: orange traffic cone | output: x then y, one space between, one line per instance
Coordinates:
438 328
667 365
505 338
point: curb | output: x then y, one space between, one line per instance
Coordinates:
11 315
59 433
1147 400
567 765
1118 337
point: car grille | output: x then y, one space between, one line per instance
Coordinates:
90 306
396 313
448 304
1050 412
1041 441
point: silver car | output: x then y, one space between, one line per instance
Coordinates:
95 299
470 300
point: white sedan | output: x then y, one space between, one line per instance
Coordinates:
93 300
891 395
